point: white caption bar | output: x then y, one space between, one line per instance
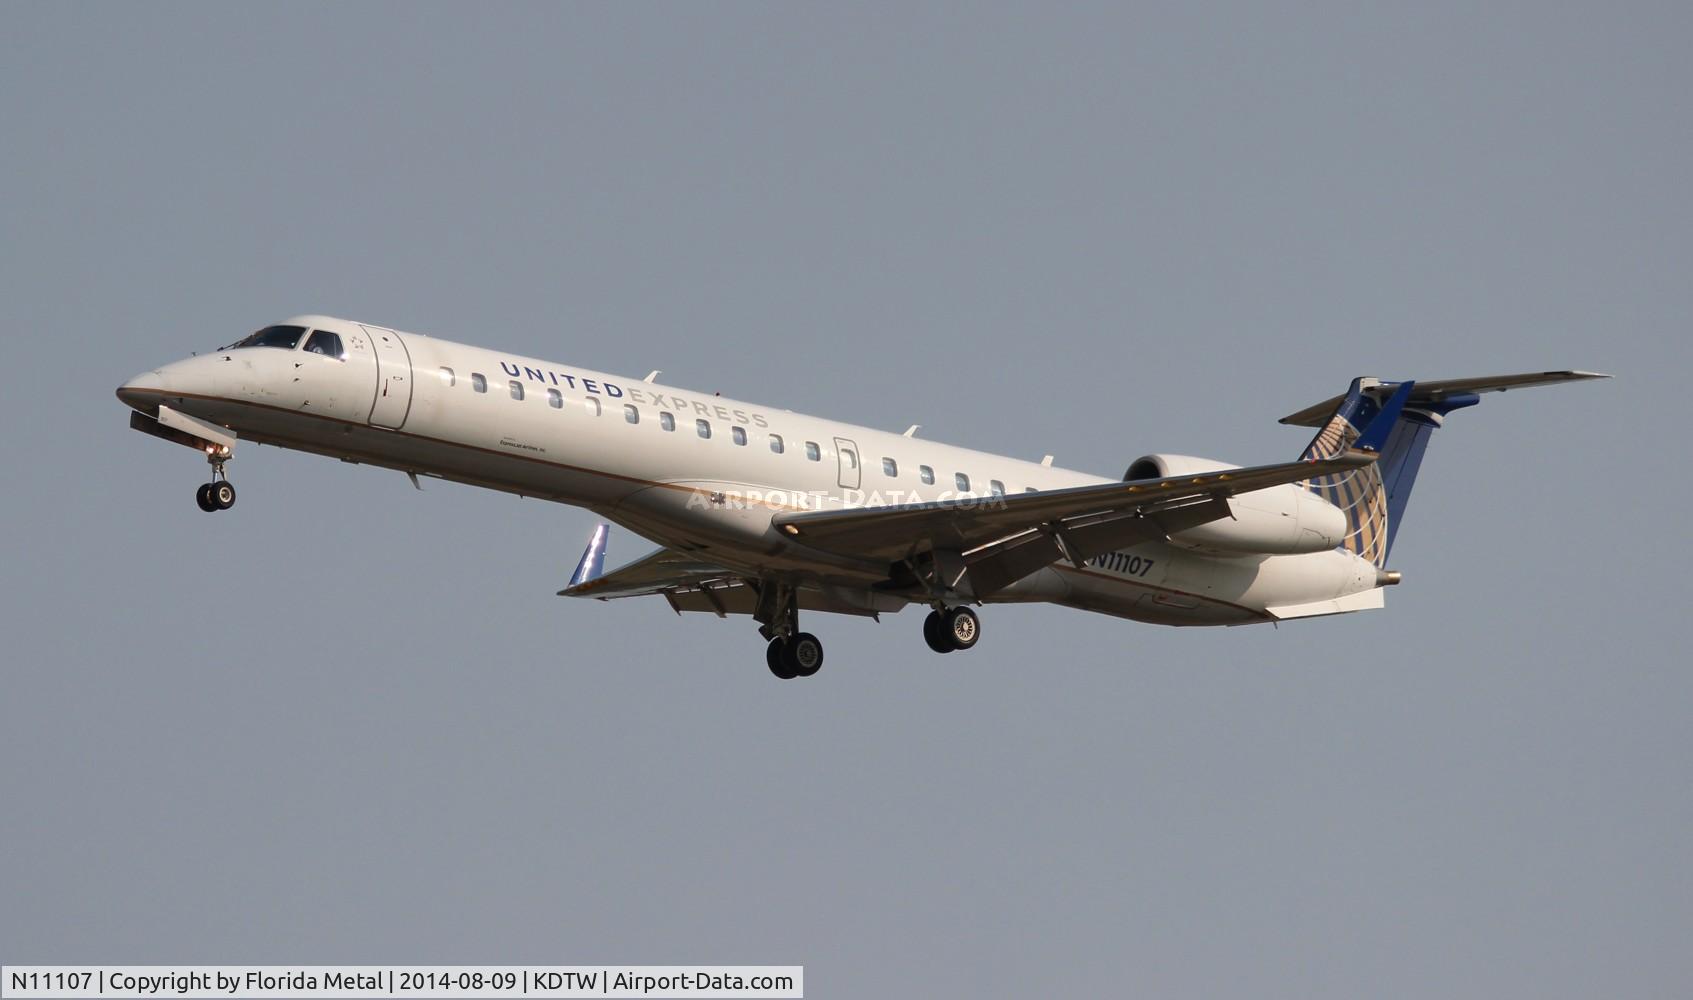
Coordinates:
260 982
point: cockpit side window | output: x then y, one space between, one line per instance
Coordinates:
327 344
284 337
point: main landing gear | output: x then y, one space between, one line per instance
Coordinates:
217 494
791 653
947 629
800 655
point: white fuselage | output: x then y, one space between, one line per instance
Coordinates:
692 471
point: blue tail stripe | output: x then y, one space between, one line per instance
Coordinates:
1376 433
1402 458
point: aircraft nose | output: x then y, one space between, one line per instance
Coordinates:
142 391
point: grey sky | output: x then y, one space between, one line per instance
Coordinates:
349 722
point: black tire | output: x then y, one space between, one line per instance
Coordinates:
776 659
961 628
203 497
803 654
223 495
932 633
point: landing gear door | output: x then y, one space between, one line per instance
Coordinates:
393 379
847 454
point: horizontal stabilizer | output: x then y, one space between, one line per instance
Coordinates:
1432 392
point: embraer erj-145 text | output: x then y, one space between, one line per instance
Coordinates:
764 512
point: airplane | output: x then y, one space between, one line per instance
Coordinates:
764 512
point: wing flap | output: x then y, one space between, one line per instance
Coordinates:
999 564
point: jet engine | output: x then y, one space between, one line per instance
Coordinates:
1280 520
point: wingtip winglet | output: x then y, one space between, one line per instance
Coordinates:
592 563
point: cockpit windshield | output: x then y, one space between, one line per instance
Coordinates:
327 344
284 337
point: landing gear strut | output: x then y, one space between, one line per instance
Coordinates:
791 653
217 494
948 629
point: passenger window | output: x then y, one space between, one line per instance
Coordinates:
776 443
478 382
739 434
926 474
516 389
890 468
593 405
667 421
849 457
631 414
448 378
962 481
327 344
996 487
703 427
555 399
813 452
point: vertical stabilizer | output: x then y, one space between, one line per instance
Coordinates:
1374 497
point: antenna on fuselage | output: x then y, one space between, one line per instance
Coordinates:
911 431
653 375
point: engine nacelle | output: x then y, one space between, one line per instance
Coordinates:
1280 520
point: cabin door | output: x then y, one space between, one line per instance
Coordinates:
846 454
393 379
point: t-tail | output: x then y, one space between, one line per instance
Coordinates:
1374 497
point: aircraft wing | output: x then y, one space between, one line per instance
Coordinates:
1084 520
664 570
998 539
690 584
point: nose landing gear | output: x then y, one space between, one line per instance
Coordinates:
218 494
215 496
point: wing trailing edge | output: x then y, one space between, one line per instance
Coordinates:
969 523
